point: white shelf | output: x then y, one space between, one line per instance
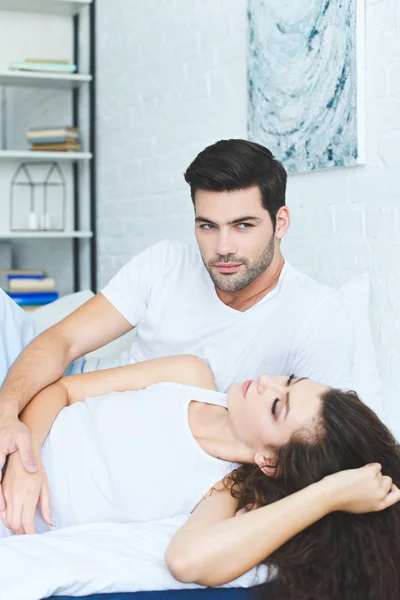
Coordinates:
11 235
67 8
40 156
42 80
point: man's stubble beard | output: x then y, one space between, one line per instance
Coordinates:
236 282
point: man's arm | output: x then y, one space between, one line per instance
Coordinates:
47 357
43 361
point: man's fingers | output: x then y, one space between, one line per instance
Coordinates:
3 517
28 518
45 507
3 456
2 501
25 449
15 519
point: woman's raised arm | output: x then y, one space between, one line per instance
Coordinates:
215 546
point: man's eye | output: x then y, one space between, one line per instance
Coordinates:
244 226
206 227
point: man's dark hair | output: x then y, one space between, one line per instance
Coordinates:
236 165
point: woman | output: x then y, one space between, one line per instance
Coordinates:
171 447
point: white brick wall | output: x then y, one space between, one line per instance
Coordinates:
172 79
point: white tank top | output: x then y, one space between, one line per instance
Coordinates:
129 456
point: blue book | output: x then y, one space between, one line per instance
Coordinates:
25 276
33 298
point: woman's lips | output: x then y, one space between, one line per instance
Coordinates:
246 386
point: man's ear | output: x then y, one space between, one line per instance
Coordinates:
266 462
282 222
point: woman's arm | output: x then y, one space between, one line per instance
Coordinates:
186 368
215 546
22 489
40 413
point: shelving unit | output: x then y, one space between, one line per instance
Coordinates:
72 83
66 8
46 235
43 80
44 156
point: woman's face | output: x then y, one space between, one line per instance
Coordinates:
266 412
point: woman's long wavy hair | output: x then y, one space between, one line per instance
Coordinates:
343 556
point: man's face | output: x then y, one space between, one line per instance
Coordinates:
235 236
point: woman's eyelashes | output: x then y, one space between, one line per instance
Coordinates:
274 405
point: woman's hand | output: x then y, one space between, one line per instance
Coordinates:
22 491
362 490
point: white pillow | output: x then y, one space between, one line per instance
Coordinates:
52 313
366 379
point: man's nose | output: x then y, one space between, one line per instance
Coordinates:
226 244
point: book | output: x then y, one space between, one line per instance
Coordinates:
29 284
22 273
59 61
59 139
51 132
55 147
43 67
33 298
25 276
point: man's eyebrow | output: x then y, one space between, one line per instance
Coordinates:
287 396
234 222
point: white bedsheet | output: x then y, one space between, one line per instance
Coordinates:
95 558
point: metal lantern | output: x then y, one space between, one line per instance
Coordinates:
36 210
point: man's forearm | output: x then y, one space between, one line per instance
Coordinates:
42 362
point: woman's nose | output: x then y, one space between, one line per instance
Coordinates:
265 382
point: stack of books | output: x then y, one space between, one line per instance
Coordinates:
54 139
30 289
47 65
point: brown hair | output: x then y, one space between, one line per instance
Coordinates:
236 165
343 556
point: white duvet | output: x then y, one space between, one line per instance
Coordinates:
95 558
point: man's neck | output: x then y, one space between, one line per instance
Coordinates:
257 289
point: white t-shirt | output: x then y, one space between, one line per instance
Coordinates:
136 459
301 327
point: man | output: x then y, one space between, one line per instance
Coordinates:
234 301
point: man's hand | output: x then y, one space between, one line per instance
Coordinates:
14 436
362 490
22 491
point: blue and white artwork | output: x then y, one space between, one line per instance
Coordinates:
305 81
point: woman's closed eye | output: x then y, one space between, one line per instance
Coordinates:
274 405
276 401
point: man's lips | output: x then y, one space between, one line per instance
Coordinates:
246 386
227 267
